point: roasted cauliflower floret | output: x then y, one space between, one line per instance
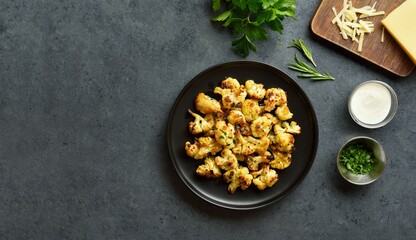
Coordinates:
230 83
224 134
261 126
261 145
277 128
292 128
211 119
250 109
249 145
227 160
283 112
272 118
255 90
265 177
206 104
236 117
202 147
285 142
253 162
272 138
199 125
281 160
243 147
209 169
232 93
244 129
231 98
238 178
274 98
282 135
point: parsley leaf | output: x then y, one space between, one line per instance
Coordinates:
268 3
249 20
276 25
216 5
240 4
253 5
223 16
256 32
243 45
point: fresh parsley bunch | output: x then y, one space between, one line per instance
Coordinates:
248 19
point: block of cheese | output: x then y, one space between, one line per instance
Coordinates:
401 24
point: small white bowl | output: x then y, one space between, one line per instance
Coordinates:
379 162
354 104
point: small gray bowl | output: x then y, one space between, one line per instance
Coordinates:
379 164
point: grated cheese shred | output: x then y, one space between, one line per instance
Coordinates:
353 22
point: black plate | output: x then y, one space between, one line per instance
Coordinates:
216 192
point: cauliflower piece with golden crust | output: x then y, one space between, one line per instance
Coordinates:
232 93
292 128
249 145
202 147
211 119
238 178
230 83
265 177
244 130
206 104
236 117
224 134
255 90
227 160
209 169
272 118
243 147
253 162
261 145
261 126
285 142
277 128
281 160
283 112
250 109
274 97
231 98
199 125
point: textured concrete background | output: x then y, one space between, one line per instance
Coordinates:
85 92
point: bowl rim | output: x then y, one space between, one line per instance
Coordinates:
393 108
383 158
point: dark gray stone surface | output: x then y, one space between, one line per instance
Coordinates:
85 92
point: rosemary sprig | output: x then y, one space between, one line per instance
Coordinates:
308 71
301 46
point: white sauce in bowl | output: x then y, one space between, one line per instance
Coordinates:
371 103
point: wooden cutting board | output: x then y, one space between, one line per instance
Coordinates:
388 54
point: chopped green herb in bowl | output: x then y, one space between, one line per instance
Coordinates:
361 160
357 158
